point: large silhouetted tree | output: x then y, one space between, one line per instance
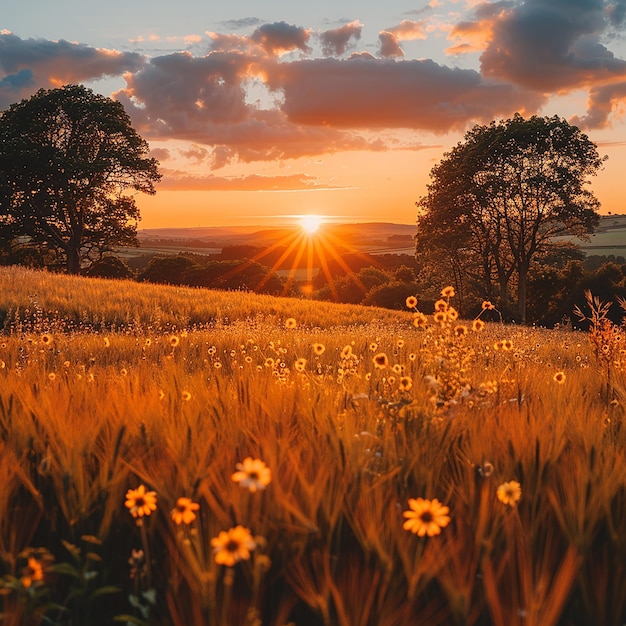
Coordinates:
500 197
69 162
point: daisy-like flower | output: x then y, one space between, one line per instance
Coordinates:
107 342
559 377
507 345
509 493
453 314
232 545
290 322
460 330
419 320
441 305
319 348
411 302
300 365
186 396
32 573
381 361
253 474
140 502
478 325
46 339
174 340
183 513
440 317
346 353
405 384
447 292
426 517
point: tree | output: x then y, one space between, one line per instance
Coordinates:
68 158
502 195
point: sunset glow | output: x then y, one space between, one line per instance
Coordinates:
337 105
310 223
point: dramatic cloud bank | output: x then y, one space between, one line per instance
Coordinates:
286 91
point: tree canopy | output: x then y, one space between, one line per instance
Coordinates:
499 198
69 162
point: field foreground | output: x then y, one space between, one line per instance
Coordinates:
182 457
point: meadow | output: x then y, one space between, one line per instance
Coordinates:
184 457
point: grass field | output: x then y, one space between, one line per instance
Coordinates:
184 457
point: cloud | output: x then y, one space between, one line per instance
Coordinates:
389 45
280 37
601 103
246 22
364 92
160 154
29 64
296 182
548 45
337 40
390 38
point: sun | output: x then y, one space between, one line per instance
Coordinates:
310 223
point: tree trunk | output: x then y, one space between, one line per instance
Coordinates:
73 259
521 292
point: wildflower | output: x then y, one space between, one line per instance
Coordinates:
107 342
140 502
426 517
253 474
412 356
217 365
487 306
453 314
290 322
183 513
460 331
509 493
174 340
400 343
380 361
51 376
559 377
46 339
32 573
373 346
319 348
419 320
269 362
137 562
447 292
232 546
440 317
406 383
478 325
411 302
300 365
346 353
124 372
148 342
2 364
441 305
506 345
186 395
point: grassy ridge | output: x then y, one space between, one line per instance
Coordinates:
353 419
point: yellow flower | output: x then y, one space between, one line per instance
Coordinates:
426 517
186 395
419 320
381 361
300 365
140 502
411 302
46 339
406 383
440 317
507 345
174 340
32 573
441 305
346 353
253 474
232 546
478 325
559 377
107 342
51 376
373 346
447 292
460 330
184 511
509 493
290 322
487 306
452 313
319 348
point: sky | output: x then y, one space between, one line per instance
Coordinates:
262 110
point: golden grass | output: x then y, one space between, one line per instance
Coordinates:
85 416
